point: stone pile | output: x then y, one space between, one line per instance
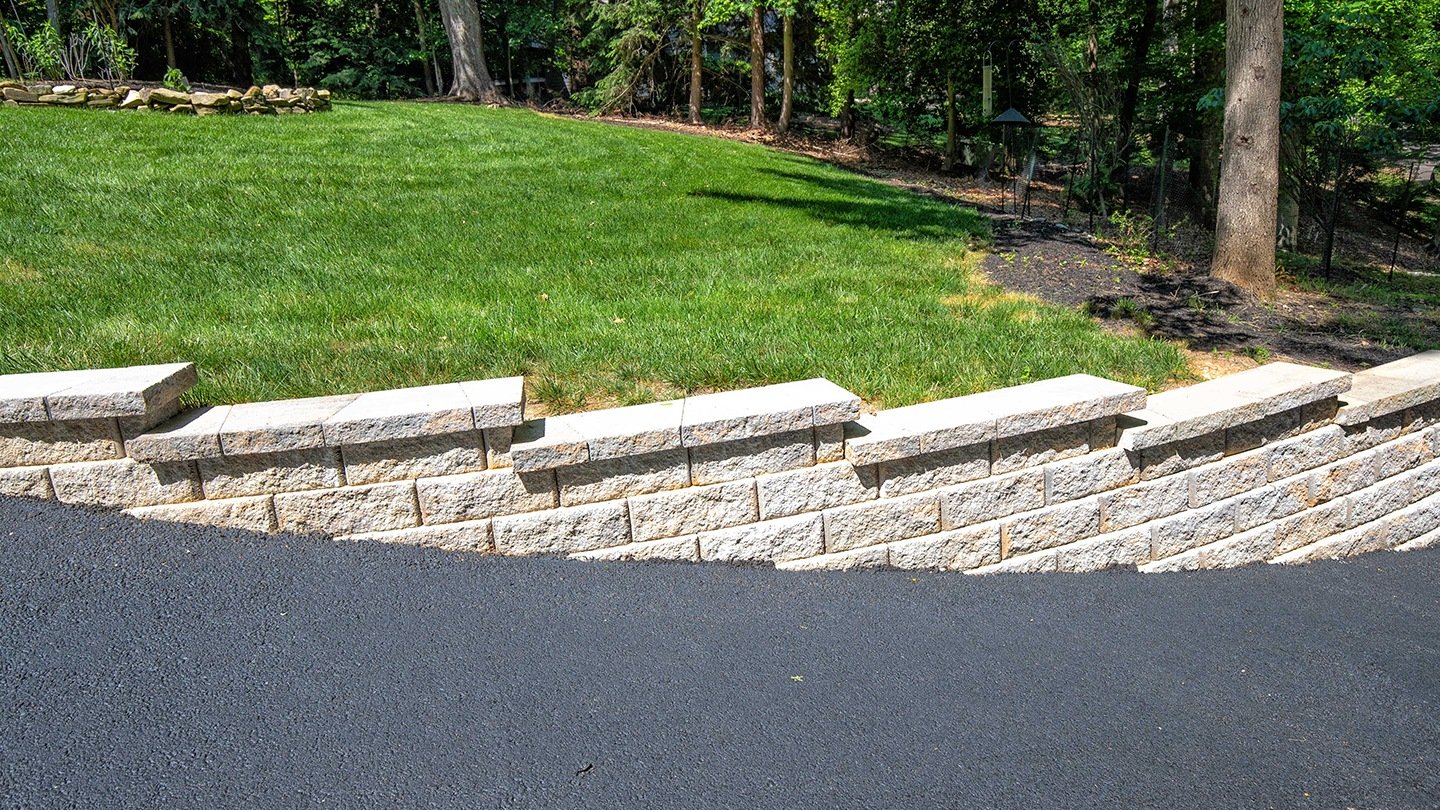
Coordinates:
268 100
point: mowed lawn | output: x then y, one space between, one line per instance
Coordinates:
394 244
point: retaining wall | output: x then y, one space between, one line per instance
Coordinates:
268 100
1284 463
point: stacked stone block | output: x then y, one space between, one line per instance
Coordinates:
1283 463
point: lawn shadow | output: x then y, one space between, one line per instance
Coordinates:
862 203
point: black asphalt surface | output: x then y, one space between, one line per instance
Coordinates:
147 665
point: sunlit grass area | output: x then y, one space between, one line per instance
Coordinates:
394 244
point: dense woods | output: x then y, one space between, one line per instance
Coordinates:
1112 81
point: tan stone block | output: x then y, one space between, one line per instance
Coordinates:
348 510
1365 435
469 535
748 458
956 550
280 426
125 483
787 538
1306 452
26 482
255 513
1123 549
421 457
933 471
1168 459
1311 526
1013 453
565 530
829 443
1050 527
1090 475
991 498
1343 478
497 447
1403 454
29 444
670 548
1374 503
1146 501
1192 529
692 510
193 435
613 478
856 559
403 413
1040 562
629 431
268 473
474 496
816 488
1272 502
1250 435
882 521
1228 478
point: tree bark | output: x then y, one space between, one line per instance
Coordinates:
1250 163
12 62
52 13
1202 138
787 92
432 84
169 44
949 162
471 80
757 66
1135 70
697 59
847 115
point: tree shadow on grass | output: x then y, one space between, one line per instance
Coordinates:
860 203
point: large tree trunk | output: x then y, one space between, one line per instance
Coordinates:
757 66
52 13
1250 163
242 66
471 79
1135 71
787 93
697 59
12 62
169 44
1202 138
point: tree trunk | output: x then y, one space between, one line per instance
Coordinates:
757 66
847 115
169 44
949 162
12 62
1135 70
509 60
787 92
242 66
697 59
52 13
1202 139
432 84
467 51
1092 38
1250 164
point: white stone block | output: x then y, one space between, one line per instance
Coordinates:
1013 453
404 413
1344 477
497 447
194 434
133 391
990 498
732 415
1041 562
29 444
934 470
816 488
1123 549
1089 475
26 482
543 444
1391 388
769 541
469 535
630 431
748 458
1374 503
275 427
670 548
421 457
1403 454
125 483
1229 477
881 521
615 478
1058 402
565 530
254 514
1168 459
1144 502
1050 526
1311 526
22 396
1192 529
875 439
496 403
1306 452
856 559
475 496
1244 548
944 424
1272 502
692 510
238 476
348 510
956 550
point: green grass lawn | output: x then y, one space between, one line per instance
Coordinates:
394 244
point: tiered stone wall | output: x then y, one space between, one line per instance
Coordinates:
268 100
1283 463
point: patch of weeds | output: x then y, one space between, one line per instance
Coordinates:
1258 353
563 396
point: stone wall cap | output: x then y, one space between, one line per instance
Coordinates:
93 393
770 409
194 434
1058 402
22 396
629 431
273 427
496 403
401 413
1392 387
544 444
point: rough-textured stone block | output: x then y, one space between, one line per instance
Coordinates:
238 476
26 482
254 514
1050 527
1425 479
565 530
1058 402
194 434
133 426
1228 478
474 496
788 538
829 443
35 443
1089 475
614 478
1391 388
692 510
496 403
1244 548
1363 436
22 396
1422 417
543 444
1415 520
1306 452
1041 562
275 427
1403 454
732 415
875 439
957 550
670 548
125 483
630 431
1343 477
1168 459
1013 453
1251 435
404 413
348 510
1192 529
1376 502
934 470
866 524
1311 526
422 457
1424 541
942 425
815 488
1125 549
1329 547
1272 502
747 458
855 559
497 447
469 535
112 392
1144 502
991 498
1318 414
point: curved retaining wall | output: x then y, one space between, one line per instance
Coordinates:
1284 463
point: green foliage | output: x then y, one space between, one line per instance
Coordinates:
175 80
114 58
40 52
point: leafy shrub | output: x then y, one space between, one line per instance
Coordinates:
175 80
40 53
